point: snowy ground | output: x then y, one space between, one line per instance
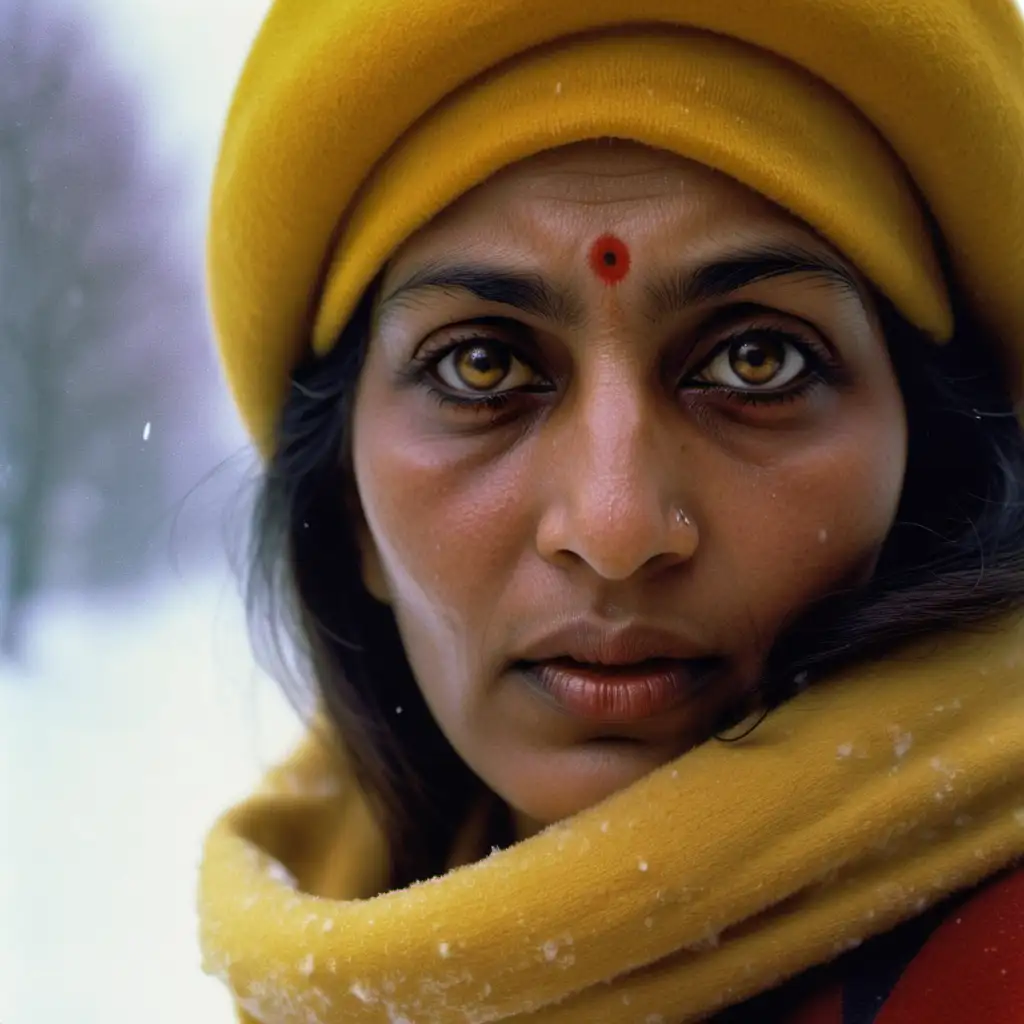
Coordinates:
131 726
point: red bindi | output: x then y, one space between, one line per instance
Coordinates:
609 259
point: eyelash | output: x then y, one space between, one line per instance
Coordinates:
822 368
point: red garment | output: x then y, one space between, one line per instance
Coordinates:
961 964
972 968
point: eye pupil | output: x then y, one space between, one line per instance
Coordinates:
757 362
483 366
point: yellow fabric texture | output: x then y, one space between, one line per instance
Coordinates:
356 121
853 807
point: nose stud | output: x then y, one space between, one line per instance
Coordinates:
682 519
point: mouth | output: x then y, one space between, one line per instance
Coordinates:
620 693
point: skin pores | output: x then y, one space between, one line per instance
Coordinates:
691 438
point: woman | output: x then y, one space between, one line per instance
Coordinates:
643 489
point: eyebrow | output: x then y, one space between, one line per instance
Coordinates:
729 273
526 291
535 295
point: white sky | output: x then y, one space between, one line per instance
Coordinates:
185 56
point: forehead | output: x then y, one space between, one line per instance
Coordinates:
609 185
607 171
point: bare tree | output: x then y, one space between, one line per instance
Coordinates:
102 341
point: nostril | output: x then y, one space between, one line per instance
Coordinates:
616 532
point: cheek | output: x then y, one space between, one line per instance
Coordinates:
438 527
813 522
449 531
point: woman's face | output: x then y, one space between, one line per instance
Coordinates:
620 420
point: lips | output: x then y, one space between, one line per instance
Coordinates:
619 693
623 674
593 644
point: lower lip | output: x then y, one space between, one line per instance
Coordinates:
628 693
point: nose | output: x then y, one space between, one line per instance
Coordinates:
615 498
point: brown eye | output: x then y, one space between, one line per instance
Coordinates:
757 361
483 366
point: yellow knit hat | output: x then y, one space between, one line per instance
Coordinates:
357 121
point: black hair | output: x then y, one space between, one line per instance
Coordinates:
954 558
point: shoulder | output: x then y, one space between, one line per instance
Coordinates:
971 967
957 963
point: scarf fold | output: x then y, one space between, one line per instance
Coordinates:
855 806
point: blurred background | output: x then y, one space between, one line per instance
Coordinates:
131 711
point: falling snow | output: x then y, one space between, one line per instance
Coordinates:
279 873
362 992
943 768
901 741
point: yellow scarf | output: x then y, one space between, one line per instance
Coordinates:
852 808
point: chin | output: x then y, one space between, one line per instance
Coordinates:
559 784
